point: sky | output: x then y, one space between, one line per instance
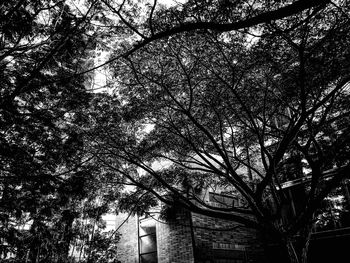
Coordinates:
171 2
100 82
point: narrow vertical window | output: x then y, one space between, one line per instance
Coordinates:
147 240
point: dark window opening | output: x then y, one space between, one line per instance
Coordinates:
147 241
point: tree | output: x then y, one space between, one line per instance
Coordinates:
199 100
45 174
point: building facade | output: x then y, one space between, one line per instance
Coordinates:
194 238
188 238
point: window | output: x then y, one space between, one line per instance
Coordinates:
147 240
222 200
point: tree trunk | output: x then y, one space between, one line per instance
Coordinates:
305 250
289 250
306 236
292 252
35 244
284 252
279 248
67 222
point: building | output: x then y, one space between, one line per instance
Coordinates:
188 238
196 238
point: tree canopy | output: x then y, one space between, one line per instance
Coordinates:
208 98
242 95
45 173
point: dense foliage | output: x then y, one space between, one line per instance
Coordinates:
45 173
220 95
236 95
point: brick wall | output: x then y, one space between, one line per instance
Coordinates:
213 244
128 244
174 241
